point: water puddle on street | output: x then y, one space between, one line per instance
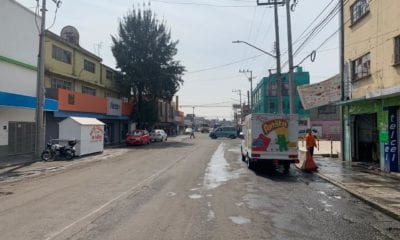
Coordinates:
195 196
218 170
239 220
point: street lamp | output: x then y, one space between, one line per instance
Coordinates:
278 77
251 45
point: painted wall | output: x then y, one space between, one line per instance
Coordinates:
78 102
374 33
75 71
18 80
21 45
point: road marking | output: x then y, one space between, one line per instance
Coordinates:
148 180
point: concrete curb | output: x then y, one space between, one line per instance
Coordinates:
365 199
8 165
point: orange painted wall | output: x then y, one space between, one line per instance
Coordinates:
78 102
127 108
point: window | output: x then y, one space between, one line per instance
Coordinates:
272 106
109 75
361 67
89 66
329 109
273 89
61 54
397 50
285 91
59 83
88 90
358 10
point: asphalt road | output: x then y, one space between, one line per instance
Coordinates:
186 189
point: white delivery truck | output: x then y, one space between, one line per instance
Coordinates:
271 139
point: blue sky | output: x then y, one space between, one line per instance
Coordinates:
205 30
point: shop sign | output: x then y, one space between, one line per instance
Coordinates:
114 106
391 148
96 134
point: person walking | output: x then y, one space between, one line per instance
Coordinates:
310 142
192 133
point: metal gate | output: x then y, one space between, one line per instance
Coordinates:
21 138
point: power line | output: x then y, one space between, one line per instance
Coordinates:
203 4
224 65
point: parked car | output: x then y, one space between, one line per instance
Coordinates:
188 131
228 132
158 135
138 137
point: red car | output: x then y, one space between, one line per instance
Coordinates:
138 137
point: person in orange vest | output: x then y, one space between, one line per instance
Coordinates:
310 142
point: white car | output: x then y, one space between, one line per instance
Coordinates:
158 135
188 131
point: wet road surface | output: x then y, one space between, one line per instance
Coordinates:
187 189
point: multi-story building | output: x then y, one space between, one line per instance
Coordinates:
83 86
372 85
265 99
18 79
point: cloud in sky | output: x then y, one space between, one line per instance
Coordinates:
205 31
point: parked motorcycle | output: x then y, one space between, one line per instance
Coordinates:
54 150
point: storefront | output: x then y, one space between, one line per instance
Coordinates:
372 132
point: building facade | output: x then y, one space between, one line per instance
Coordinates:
265 99
83 86
372 82
18 79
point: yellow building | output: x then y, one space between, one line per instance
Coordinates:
83 86
372 82
71 67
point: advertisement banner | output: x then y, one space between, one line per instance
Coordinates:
114 106
320 94
391 148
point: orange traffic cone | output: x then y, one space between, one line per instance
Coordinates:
309 165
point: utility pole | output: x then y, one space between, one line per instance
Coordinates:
193 119
290 53
341 64
251 85
240 101
278 60
40 93
40 128
277 48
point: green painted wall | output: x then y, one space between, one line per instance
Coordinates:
266 101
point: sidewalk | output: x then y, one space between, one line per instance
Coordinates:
380 190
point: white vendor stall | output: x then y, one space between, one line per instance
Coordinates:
89 133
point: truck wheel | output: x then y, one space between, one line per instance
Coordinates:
241 153
250 163
286 168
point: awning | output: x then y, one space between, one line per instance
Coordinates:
65 114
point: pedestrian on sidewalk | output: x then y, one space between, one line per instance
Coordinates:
310 142
192 134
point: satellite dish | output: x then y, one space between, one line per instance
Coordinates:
70 34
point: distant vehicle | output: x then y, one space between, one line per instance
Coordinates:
204 129
270 138
138 137
158 135
228 132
